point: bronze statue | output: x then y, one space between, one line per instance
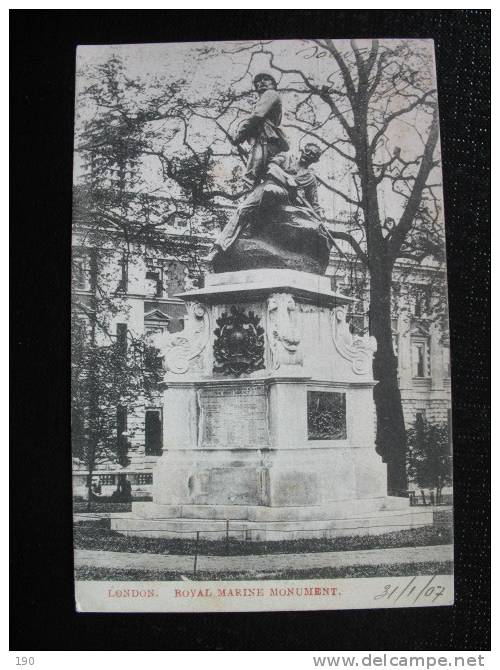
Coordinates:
261 129
288 190
305 178
277 189
279 224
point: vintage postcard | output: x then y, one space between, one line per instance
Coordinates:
261 402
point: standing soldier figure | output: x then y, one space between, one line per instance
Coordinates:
261 130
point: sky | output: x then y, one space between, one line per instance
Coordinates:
227 65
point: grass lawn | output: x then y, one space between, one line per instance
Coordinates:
97 535
398 570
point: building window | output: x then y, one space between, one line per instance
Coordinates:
156 320
422 301
420 417
81 274
107 480
123 283
395 341
357 324
144 478
154 281
420 358
84 269
153 445
121 430
121 337
419 362
326 416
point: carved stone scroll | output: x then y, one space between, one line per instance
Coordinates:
182 351
357 350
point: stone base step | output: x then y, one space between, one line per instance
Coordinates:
340 508
373 524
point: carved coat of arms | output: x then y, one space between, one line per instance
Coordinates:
239 343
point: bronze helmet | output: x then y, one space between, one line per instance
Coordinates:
261 75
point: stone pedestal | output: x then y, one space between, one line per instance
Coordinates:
268 418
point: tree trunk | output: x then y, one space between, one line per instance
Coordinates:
391 433
89 497
91 469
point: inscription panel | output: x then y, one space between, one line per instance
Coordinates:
234 417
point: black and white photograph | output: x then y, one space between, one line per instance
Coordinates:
260 353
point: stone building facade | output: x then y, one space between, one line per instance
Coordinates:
143 298
420 333
146 302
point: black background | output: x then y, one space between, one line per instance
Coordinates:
42 99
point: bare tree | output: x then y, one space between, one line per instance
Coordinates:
355 107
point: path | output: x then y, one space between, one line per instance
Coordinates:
262 563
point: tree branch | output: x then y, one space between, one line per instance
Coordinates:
394 115
406 221
356 203
330 145
346 75
345 237
320 92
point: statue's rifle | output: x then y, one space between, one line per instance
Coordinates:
332 239
242 153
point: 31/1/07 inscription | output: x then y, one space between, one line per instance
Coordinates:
413 590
